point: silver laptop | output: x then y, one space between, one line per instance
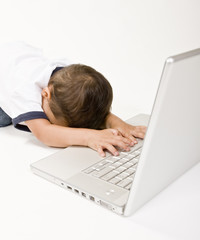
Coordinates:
124 183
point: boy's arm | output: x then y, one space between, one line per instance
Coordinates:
58 136
128 131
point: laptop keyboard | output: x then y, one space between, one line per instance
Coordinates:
118 170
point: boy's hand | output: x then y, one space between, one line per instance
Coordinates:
131 132
126 130
107 139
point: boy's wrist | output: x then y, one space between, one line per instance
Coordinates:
108 121
89 137
113 121
85 136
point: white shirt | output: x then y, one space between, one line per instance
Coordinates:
24 72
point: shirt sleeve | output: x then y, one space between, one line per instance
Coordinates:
17 122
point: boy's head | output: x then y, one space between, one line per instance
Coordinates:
80 96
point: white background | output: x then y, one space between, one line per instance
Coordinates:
127 41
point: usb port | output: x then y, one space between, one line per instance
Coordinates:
83 194
91 198
76 191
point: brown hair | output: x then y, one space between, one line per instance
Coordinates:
80 95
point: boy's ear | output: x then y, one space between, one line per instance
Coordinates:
46 93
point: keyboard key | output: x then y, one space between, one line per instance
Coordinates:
122 154
114 180
116 157
128 157
128 187
120 169
123 160
125 153
124 182
107 164
100 167
113 167
130 171
102 172
131 176
134 154
109 175
103 162
137 152
112 159
134 161
116 164
127 165
89 170
122 175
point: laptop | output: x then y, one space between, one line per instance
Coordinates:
124 183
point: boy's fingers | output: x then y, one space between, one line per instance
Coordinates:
129 139
115 132
138 134
120 138
122 143
101 152
139 131
112 149
132 139
125 139
109 147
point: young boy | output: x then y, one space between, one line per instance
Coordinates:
61 104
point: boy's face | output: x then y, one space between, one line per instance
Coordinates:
45 106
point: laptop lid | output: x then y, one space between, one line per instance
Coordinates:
172 140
